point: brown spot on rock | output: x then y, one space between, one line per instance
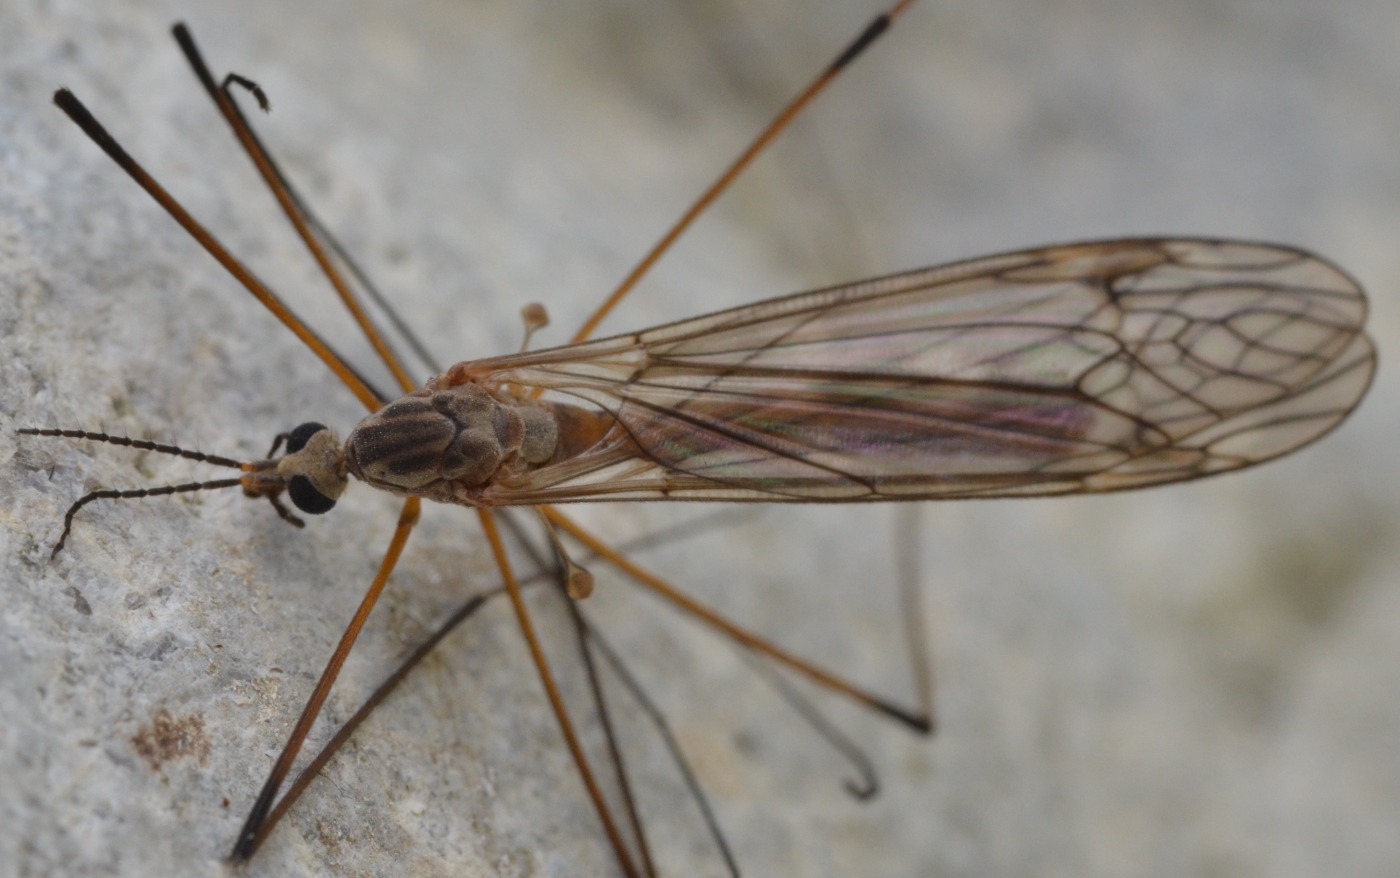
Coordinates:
167 738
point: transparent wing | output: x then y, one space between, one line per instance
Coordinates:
1080 368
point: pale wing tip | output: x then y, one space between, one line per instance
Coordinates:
1299 419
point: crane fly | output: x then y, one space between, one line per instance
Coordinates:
1072 369
1081 368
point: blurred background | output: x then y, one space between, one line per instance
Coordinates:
1190 681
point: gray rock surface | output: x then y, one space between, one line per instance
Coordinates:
1191 681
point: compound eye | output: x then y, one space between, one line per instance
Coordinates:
297 439
304 494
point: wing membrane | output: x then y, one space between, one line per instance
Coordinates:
1081 368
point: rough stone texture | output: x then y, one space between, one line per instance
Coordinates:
1193 681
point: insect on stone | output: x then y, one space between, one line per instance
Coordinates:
1081 368
1072 369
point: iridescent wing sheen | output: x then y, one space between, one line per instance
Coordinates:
1072 369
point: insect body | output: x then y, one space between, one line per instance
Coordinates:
1082 368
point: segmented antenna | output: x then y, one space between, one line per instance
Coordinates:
135 493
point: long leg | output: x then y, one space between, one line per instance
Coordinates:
84 119
919 721
290 206
328 239
911 605
313 768
253 832
564 573
624 783
658 721
556 702
872 32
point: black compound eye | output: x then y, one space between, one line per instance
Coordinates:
304 494
297 439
